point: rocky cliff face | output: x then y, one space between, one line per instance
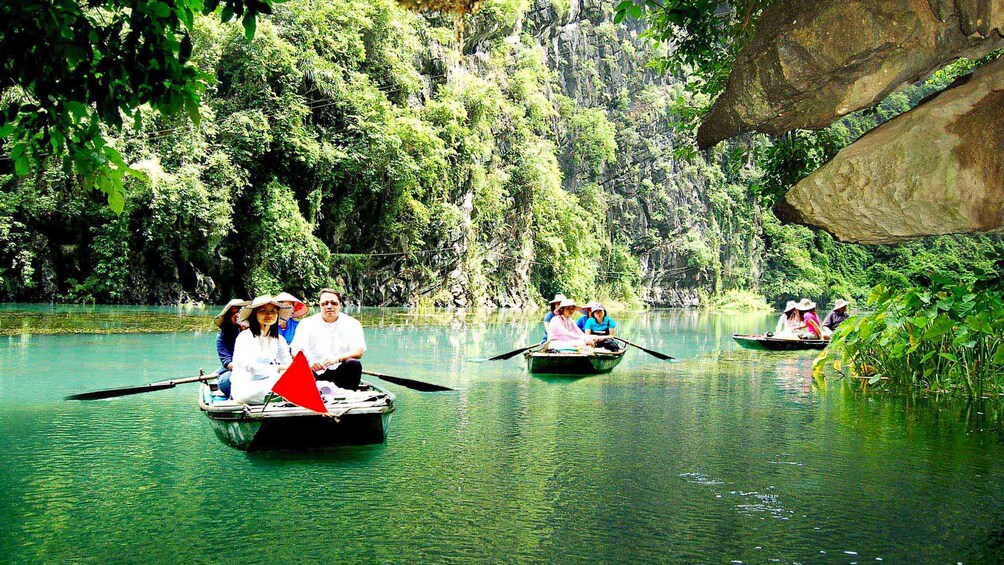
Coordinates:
679 222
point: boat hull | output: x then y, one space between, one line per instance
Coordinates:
761 343
573 363
284 426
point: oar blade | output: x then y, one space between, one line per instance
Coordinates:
512 354
116 392
656 354
420 386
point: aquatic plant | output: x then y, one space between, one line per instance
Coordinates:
949 336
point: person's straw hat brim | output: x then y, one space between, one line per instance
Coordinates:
841 303
284 311
806 305
566 303
558 298
299 308
791 305
218 320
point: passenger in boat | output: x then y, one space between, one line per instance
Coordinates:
562 331
836 317
558 299
226 320
287 328
789 322
601 324
333 342
813 329
260 353
587 311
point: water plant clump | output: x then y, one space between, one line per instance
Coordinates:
947 337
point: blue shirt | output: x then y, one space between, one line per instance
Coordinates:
581 322
290 329
547 318
597 328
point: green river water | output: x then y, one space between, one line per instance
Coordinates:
726 456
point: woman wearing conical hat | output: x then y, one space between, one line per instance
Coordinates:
260 353
226 320
790 320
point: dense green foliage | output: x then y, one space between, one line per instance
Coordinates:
71 68
360 145
336 148
948 335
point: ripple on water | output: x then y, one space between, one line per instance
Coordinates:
701 479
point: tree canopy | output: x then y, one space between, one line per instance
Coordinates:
72 70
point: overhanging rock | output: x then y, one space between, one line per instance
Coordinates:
812 61
937 169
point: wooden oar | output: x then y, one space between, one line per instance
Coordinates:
512 354
656 354
123 391
420 386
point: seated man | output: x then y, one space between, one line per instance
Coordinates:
836 316
332 342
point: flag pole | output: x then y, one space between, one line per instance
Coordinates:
267 400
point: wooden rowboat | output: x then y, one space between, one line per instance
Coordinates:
763 343
600 361
356 419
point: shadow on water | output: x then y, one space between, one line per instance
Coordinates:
556 378
343 454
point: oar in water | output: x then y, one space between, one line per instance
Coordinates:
420 386
512 354
656 354
123 391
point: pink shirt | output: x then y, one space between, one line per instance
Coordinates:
561 328
811 316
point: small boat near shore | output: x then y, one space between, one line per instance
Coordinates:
354 418
764 343
600 361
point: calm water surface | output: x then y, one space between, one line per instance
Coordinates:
725 456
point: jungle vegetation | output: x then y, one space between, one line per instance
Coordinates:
362 145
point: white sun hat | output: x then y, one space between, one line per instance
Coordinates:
284 311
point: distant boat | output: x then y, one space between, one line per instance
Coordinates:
600 361
357 420
763 343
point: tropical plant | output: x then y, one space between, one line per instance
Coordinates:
946 337
70 69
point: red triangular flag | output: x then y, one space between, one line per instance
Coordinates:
298 386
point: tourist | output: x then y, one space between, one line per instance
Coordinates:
813 329
563 333
226 321
260 353
287 328
587 311
601 324
553 305
836 316
789 322
332 342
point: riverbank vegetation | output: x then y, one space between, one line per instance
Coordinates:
947 336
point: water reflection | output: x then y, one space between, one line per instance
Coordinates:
727 455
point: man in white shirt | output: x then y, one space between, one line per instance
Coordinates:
332 342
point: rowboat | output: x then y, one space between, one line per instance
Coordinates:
764 343
600 361
354 418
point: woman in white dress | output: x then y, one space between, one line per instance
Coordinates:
260 353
